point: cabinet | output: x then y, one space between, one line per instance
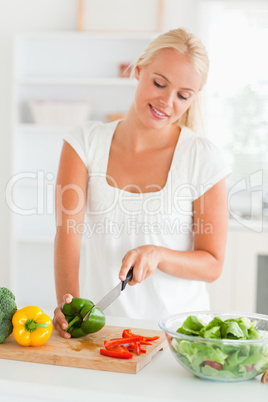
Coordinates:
239 287
58 67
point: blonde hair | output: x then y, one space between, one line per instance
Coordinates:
188 44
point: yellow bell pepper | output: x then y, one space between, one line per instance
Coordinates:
31 327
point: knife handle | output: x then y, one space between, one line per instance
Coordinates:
128 278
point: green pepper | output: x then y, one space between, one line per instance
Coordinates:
75 312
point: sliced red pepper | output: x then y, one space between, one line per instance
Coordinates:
151 338
116 348
121 341
138 348
122 348
125 348
127 333
130 347
113 353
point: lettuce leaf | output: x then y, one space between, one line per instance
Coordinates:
191 326
213 329
232 330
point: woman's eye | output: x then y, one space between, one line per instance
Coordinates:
182 97
158 85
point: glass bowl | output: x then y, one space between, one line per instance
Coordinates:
218 359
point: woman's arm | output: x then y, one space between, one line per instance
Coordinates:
71 190
205 262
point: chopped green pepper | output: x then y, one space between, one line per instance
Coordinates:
75 312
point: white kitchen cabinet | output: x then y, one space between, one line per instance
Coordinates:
238 287
58 67
222 291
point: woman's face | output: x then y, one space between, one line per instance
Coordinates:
166 89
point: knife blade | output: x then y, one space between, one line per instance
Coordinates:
112 295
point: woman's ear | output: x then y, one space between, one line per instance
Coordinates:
137 72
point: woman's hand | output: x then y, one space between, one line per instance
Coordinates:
59 321
144 261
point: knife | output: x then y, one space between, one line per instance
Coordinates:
112 295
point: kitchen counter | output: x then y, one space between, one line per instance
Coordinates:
163 379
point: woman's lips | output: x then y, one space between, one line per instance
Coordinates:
158 113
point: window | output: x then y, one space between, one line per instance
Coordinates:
236 94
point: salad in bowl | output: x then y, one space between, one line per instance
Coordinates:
217 345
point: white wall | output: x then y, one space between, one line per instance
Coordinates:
18 16
181 13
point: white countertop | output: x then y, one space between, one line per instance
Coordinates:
163 379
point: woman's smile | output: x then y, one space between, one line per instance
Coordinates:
159 114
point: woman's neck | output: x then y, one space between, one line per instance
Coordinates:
133 135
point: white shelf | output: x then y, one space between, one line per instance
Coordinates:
122 35
36 128
90 81
35 240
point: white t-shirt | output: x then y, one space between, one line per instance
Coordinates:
117 221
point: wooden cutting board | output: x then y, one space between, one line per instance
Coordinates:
84 352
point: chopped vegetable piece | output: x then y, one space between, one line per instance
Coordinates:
116 354
121 341
125 347
127 333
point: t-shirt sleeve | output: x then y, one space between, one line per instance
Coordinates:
208 166
76 138
83 140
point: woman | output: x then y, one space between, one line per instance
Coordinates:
148 193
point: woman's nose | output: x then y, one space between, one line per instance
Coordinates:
166 99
